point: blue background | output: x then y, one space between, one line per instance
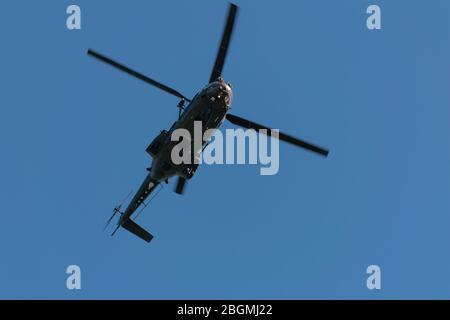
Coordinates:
73 133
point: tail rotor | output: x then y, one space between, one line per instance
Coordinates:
116 210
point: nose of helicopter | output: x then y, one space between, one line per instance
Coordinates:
223 90
227 93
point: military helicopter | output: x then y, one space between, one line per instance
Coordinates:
210 106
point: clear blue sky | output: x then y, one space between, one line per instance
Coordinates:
73 134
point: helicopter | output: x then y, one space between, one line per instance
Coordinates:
211 106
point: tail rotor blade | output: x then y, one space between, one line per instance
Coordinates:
117 209
110 219
115 230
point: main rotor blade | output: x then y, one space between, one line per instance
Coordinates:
181 182
223 48
135 74
284 137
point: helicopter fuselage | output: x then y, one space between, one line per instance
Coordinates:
209 106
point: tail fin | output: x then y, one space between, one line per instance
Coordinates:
134 228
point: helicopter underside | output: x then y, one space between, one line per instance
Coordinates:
208 109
